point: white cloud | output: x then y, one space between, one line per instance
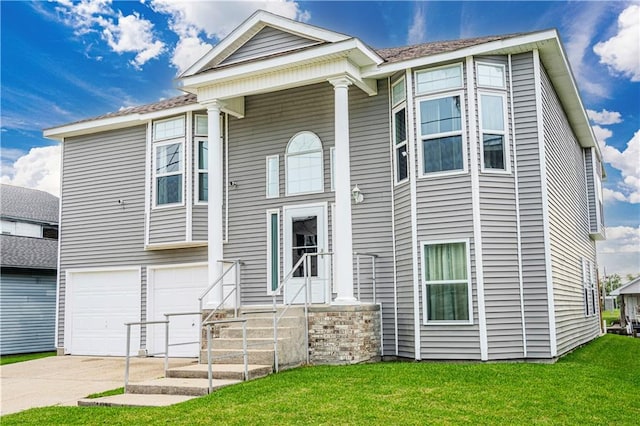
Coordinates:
604 117
38 169
123 34
417 30
626 162
621 52
601 134
620 253
215 20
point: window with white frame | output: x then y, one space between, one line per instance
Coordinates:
398 92
304 164
273 250
594 288
493 131
490 75
168 173
446 282
440 130
400 153
169 128
437 79
273 176
589 288
203 167
202 125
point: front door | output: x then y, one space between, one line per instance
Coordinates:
305 232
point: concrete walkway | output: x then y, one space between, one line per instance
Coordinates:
63 380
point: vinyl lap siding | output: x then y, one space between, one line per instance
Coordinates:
568 224
530 198
167 225
266 42
404 270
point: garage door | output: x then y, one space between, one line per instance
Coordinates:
175 289
98 303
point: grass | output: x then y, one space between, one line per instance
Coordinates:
117 391
597 384
611 316
11 359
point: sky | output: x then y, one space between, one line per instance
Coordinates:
65 60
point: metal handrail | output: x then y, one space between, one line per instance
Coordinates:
128 346
245 354
166 338
373 258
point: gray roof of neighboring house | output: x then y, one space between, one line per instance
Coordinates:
29 204
27 252
632 287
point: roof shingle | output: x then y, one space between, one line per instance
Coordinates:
30 204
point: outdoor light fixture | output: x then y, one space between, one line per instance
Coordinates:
356 194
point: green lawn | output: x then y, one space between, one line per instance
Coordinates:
598 384
611 316
10 359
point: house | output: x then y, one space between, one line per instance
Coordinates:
463 173
28 264
630 300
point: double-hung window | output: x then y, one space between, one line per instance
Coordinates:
168 160
304 164
399 113
493 131
440 119
203 167
589 288
446 282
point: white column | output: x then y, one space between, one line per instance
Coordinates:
215 190
343 245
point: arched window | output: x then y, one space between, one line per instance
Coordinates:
304 164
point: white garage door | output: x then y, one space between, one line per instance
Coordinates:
98 303
174 289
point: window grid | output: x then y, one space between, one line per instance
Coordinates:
169 128
438 79
304 164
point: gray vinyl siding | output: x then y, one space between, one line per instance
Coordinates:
591 193
167 225
568 224
266 42
498 216
404 270
531 214
27 311
445 212
97 231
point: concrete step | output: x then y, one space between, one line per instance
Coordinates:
134 400
178 386
256 356
220 371
267 321
253 343
256 332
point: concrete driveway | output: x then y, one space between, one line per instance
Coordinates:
63 380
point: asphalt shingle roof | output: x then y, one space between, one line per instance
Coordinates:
27 252
31 204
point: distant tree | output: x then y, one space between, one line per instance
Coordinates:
611 282
631 277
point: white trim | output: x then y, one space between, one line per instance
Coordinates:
491 64
504 133
155 205
286 168
553 347
267 180
175 244
518 224
414 218
468 281
477 218
148 182
269 213
393 220
332 154
395 147
197 170
188 155
225 160
185 126
195 124
58 269
404 98
445 90
462 132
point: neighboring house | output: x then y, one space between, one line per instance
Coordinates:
28 264
467 167
630 295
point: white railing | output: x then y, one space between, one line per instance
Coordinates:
245 353
128 345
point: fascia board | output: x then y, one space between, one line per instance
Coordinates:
272 64
112 123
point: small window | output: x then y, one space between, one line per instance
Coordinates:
398 92
273 176
441 133
589 288
273 249
492 110
490 75
203 167
168 173
304 164
50 232
446 284
400 144
168 129
202 125
438 79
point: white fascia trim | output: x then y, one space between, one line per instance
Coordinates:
57 318
308 57
518 225
112 123
175 245
553 347
252 26
393 217
411 141
477 220
175 265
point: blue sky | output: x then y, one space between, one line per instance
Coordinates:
63 61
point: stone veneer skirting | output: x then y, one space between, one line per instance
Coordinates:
348 334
